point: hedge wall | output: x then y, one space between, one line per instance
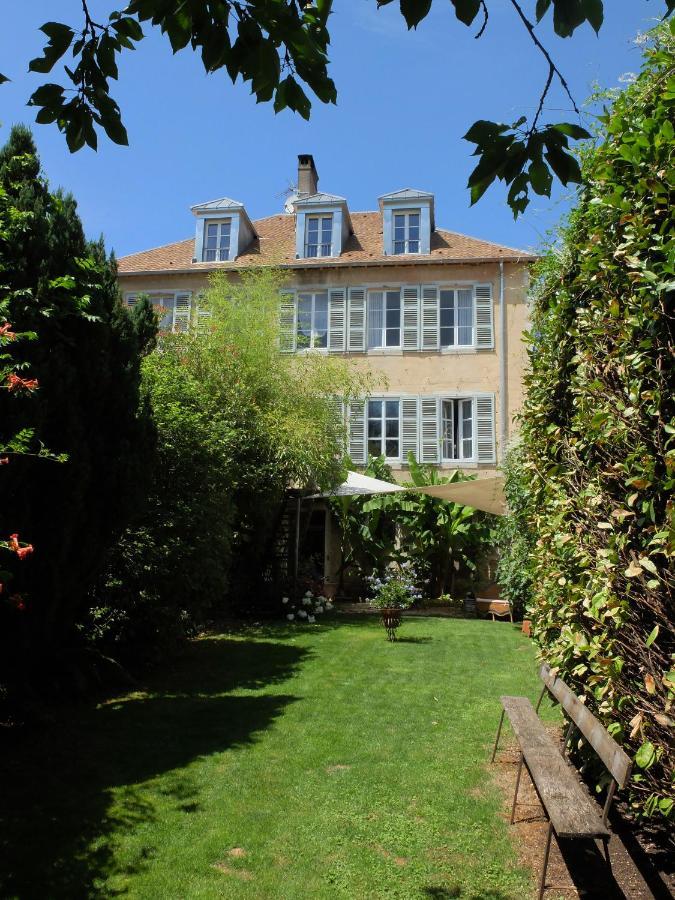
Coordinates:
598 432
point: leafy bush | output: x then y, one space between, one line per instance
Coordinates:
598 434
237 423
307 608
397 588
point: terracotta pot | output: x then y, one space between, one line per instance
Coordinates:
391 619
527 627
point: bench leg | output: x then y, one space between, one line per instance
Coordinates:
542 882
605 842
515 796
541 697
499 731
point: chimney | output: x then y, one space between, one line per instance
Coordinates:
308 178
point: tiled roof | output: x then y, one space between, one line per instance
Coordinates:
275 245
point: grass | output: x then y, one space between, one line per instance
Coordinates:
278 763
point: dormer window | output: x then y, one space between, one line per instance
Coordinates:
407 231
319 235
223 231
407 222
217 241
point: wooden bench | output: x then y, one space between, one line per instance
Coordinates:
571 811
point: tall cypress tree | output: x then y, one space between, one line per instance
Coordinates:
86 357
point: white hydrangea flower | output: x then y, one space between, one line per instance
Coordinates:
308 593
319 609
284 599
329 605
290 617
302 614
321 599
311 620
306 601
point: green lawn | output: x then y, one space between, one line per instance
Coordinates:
333 764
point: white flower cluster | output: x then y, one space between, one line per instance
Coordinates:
307 608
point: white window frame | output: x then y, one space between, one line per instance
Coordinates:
455 288
321 248
383 422
406 213
313 294
219 249
383 345
132 296
460 401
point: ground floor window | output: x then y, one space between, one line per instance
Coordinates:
457 429
384 428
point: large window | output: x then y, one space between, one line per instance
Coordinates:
318 235
407 232
384 428
173 308
312 321
456 317
384 319
217 241
457 429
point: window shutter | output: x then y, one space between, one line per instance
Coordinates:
182 312
131 300
485 339
357 432
337 314
357 320
409 416
203 313
411 318
485 428
430 329
430 437
287 311
337 414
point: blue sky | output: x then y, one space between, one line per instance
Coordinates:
405 100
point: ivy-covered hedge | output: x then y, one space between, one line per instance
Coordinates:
598 433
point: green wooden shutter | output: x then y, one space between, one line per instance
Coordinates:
337 318
356 341
430 439
485 428
287 319
430 317
411 317
482 301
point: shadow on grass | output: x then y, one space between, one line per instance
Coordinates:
57 830
403 639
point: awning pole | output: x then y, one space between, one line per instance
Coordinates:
297 548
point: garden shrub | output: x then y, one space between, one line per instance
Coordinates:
237 423
86 359
598 434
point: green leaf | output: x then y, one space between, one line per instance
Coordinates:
115 129
652 637
466 10
540 177
563 164
571 130
3 78
646 755
414 11
541 9
594 13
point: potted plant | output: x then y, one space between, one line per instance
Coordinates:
393 592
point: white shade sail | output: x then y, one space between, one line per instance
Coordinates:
486 494
360 484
